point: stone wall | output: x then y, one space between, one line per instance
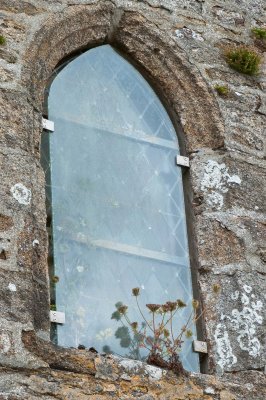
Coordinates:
178 45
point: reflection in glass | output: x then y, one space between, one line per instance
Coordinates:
117 215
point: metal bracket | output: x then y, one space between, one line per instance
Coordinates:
57 317
200 347
182 161
48 125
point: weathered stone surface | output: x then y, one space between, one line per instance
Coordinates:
20 124
12 30
6 75
5 222
24 7
50 384
10 57
224 248
236 312
178 46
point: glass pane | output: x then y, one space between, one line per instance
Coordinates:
118 218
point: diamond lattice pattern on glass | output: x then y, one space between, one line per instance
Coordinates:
118 216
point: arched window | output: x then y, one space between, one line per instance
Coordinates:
115 200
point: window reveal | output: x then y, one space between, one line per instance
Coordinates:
114 199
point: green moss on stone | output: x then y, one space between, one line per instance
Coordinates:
259 33
2 40
222 90
243 59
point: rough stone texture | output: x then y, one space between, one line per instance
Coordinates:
177 45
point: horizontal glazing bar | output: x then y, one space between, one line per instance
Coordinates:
128 249
139 137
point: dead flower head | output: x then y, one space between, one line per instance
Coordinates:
134 326
153 307
171 305
135 291
195 304
189 333
165 308
166 333
180 303
122 309
55 279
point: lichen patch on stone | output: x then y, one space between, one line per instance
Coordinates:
130 365
21 193
226 358
189 34
35 243
242 322
216 181
12 287
154 373
215 199
245 321
5 343
209 390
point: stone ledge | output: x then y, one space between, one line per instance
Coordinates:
50 384
89 375
56 357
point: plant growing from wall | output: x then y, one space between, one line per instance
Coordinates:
156 334
259 33
243 59
2 40
222 90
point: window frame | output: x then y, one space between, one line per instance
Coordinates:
186 179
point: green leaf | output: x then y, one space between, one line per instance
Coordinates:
116 315
122 332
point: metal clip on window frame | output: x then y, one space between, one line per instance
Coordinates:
182 161
48 125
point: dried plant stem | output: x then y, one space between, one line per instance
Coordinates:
179 337
194 319
143 315
171 325
153 322
169 319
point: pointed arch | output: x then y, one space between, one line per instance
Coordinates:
165 64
